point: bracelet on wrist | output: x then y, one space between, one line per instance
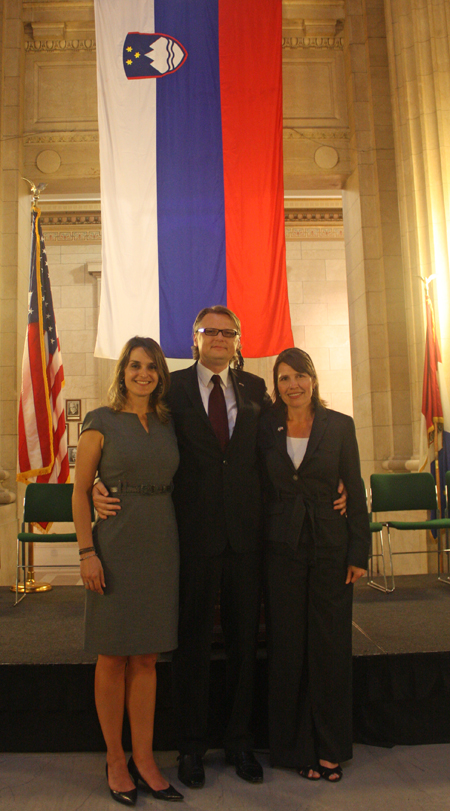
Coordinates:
94 555
86 549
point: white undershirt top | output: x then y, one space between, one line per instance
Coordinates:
296 448
206 386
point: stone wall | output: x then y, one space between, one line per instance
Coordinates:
365 111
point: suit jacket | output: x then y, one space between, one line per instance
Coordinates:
291 494
217 495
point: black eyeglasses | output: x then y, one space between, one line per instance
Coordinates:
212 332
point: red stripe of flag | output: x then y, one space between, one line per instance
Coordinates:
431 396
252 128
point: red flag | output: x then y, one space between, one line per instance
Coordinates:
42 425
431 397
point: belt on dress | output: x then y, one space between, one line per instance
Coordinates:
142 489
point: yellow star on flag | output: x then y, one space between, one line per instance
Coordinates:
129 61
129 48
137 55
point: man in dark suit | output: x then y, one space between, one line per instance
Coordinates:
217 499
217 496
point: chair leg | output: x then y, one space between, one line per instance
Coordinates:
441 551
385 589
18 567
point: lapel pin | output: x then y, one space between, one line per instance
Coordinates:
241 384
281 428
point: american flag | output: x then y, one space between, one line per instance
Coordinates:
42 425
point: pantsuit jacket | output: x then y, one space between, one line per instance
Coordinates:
308 604
291 495
217 497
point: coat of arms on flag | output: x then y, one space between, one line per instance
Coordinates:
148 56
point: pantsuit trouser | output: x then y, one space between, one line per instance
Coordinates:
309 615
238 577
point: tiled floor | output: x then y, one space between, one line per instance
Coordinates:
415 778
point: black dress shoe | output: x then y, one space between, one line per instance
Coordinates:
191 771
247 766
124 797
170 793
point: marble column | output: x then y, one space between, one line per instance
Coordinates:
373 248
418 40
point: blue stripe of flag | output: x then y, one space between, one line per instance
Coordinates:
191 224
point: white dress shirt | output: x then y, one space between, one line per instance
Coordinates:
206 386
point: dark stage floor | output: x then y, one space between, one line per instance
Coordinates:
48 628
401 672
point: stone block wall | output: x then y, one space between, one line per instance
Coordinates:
317 284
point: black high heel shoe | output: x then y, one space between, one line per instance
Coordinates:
170 793
124 797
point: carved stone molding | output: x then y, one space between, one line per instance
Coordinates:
330 216
320 232
60 137
80 237
59 45
65 220
312 203
307 218
310 133
71 222
291 43
331 43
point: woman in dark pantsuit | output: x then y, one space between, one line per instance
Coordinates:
313 556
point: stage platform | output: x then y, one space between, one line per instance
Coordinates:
401 666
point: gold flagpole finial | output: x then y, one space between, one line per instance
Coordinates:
427 281
35 190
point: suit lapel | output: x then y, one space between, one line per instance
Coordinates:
280 436
239 390
193 392
317 431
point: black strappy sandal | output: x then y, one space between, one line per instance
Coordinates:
327 773
305 772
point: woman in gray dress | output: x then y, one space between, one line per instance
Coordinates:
129 564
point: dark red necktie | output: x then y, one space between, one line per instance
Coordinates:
217 412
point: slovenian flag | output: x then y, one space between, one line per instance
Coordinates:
190 122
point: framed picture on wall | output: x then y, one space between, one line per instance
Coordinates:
73 410
72 454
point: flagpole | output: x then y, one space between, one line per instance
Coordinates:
29 584
436 460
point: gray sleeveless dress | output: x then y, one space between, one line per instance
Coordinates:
138 547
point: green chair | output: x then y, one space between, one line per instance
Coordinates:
397 492
376 527
49 503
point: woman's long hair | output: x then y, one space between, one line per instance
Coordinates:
117 393
301 362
